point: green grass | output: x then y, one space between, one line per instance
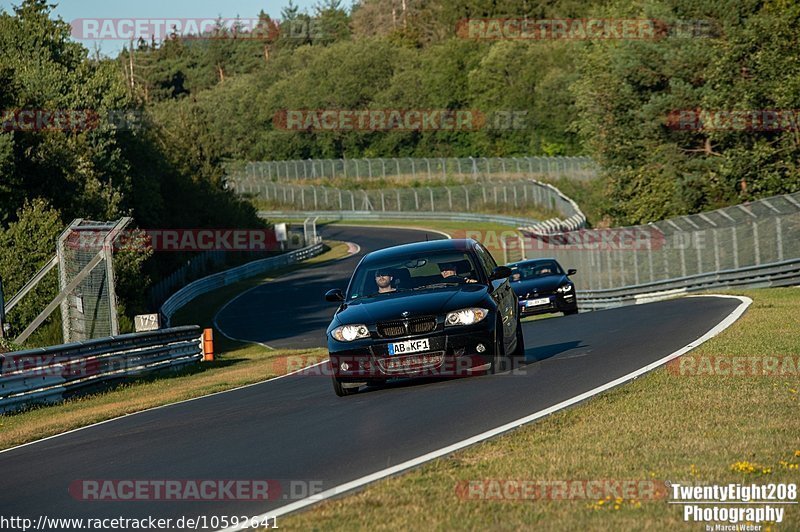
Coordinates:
530 211
661 426
237 364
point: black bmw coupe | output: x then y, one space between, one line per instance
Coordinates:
438 308
543 286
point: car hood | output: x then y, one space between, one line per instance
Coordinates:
541 285
416 303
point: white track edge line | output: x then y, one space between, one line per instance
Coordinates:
356 250
161 406
176 402
406 227
378 475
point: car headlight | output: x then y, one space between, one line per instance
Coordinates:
564 289
465 316
348 333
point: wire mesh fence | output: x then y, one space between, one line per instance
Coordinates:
474 197
85 259
755 234
418 169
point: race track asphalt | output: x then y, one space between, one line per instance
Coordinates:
269 313
294 429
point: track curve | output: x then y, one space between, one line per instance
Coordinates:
295 429
246 316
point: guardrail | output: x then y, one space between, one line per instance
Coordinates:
393 215
784 273
482 197
575 221
51 374
218 280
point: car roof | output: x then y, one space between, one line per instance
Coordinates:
430 246
531 262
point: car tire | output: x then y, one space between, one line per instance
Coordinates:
570 312
499 359
519 352
340 390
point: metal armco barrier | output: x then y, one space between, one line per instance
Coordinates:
218 280
50 374
786 273
400 216
467 198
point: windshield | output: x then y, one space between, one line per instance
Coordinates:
533 270
421 271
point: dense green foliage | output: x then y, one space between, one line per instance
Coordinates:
201 101
50 177
611 99
626 91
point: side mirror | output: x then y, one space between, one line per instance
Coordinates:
572 271
501 272
334 296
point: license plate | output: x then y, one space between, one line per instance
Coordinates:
409 346
537 302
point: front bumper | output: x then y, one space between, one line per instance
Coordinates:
555 303
454 352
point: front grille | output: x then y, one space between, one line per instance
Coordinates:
395 328
411 363
534 295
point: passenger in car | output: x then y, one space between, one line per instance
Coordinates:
450 269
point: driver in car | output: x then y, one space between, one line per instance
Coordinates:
383 278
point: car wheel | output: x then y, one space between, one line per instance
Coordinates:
499 359
570 312
340 390
519 352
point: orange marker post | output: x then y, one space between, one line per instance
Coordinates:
208 345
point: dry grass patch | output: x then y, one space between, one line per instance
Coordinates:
662 426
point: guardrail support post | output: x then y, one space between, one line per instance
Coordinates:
756 247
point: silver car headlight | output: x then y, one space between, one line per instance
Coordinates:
465 316
348 333
564 289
